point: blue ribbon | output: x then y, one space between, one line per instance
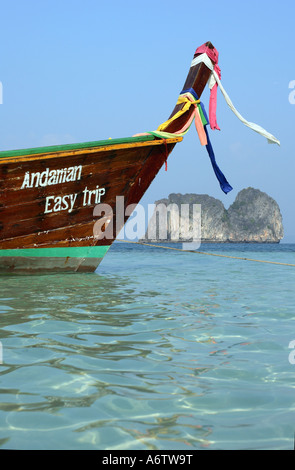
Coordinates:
224 184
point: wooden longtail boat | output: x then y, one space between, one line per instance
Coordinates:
48 195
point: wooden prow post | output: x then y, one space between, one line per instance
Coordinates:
197 79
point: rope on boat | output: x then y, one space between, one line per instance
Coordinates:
208 254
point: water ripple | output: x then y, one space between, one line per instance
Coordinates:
185 353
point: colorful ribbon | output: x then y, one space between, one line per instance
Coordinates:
204 54
207 58
189 98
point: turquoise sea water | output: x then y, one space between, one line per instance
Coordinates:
158 350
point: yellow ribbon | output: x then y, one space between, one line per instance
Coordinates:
182 99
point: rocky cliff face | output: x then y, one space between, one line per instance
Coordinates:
253 217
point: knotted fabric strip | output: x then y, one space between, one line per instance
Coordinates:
188 98
203 58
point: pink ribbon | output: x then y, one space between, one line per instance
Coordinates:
213 55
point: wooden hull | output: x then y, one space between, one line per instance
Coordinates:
48 198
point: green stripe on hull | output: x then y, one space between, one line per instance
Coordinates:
69 147
58 252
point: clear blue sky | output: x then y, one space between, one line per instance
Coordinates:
75 71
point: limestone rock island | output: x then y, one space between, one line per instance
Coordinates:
254 217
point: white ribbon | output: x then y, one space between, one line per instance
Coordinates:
211 82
